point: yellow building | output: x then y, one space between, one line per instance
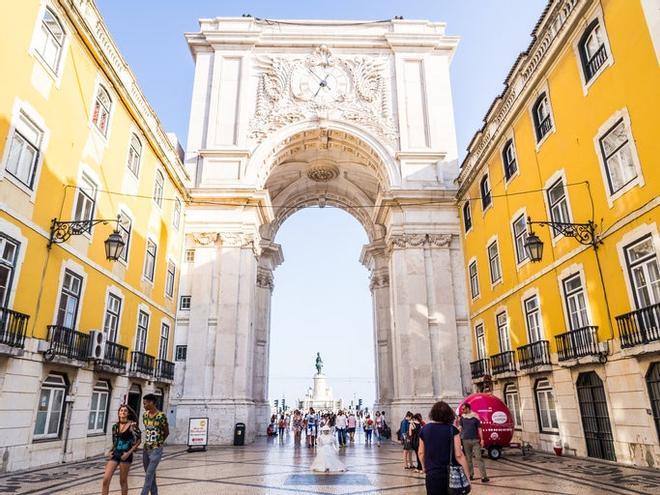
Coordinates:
572 342
79 334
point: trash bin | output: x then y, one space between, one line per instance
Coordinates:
239 434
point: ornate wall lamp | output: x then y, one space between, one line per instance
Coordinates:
584 233
61 231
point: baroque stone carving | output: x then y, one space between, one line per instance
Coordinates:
323 86
265 278
204 238
237 239
440 240
379 281
323 172
417 240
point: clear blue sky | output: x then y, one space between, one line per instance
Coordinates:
322 296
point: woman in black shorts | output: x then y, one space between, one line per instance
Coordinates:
126 439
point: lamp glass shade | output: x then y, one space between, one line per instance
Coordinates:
534 247
114 246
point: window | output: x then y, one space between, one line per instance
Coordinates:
8 256
576 304
520 236
591 47
545 405
111 321
98 411
558 204
101 110
164 341
486 198
533 319
176 216
503 331
474 279
50 410
180 352
142 329
617 157
150 261
23 154
184 303
481 341
169 281
467 216
134 154
159 185
512 401
541 115
643 271
50 40
509 160
494 262
190 255
125 228
85 200
67 311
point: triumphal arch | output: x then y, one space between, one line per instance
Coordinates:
292 114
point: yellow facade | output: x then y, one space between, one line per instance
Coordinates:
619 91
60 59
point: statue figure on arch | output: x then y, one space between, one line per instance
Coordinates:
319 363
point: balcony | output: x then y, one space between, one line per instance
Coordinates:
164 370
67 345
578 343
13 326
114 358
639 328
534 355
504 363
142 365
596 62
480 368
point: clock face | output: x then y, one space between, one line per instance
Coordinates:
320 84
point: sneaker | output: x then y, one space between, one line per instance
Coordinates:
485 479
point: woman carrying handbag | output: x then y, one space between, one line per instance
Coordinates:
441 455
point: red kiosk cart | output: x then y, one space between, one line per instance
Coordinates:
496 421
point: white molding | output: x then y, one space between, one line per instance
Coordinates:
596 13
101 80
152 238
498 311
521 211
557 175
531 292
510 135
490 190
567 272
144 308
651 10
476 323
123 208
602 130
56 76
491 239
628 238
85 169
117 292
14 232
476 265
78 269
533 97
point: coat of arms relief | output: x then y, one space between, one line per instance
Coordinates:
355 90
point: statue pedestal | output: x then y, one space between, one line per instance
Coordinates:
320 396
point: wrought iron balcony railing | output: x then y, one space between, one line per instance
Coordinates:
142 363
596 62
164 369
578 343
534 354
544 127
68 343
13 327
504 362
480 368
115 356
640 326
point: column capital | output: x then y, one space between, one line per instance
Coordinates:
380 279
265 278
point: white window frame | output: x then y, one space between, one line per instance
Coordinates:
480 340
190 255
494 241
128 239
467 204
70 295
485 179
473 279
14 233
630 266
498 325
512 401
523 300
55 75
104 133
164 337
53 382
180 352
110 314
176 213
509 138
597 14
626 240
158 196
151 279
10 264
517 215
607 126
551 205
544 393
574 270
98 414
133 153
183 298
86 178
543 89
78 270
141 342
170 279
21 107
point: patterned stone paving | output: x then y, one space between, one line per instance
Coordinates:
271 467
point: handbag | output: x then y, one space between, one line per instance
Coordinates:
458 482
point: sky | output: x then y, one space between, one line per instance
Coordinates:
321 301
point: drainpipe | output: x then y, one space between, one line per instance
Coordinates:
69 399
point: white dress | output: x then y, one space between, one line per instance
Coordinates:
327 459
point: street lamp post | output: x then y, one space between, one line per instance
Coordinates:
584 233
61 231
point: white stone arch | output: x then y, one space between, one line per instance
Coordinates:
259 166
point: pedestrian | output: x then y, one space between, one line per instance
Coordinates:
156 431
341 423
405 441
351 423
473 441
281 425
296 425
125 440
311 422
379 427
440 447
414 429
368 429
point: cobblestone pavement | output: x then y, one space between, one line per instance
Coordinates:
271 467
